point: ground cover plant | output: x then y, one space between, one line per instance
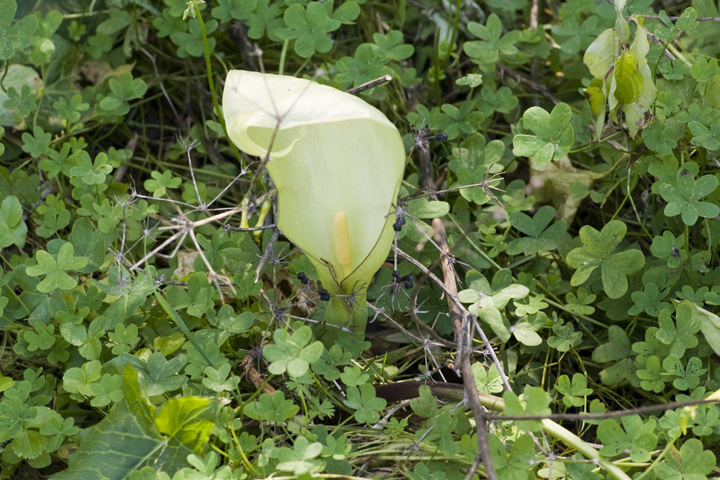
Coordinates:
548 308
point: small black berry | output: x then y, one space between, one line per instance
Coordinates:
303 278
324 295
397 226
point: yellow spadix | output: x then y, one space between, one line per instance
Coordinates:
337 163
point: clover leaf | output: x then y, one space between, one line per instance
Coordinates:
233 9
535 402
488 301
299 460
689 463
540 238
160 182
649 300
634 435
705 137
309 27
38 143
275 408
573 392
365 403
671 248
597 251
684 377
292 353
12 227
493 45
553 134
89 173
684 195
265 20
14 37
54 267
24 102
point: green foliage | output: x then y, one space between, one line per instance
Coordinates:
597 251
553 134
147 304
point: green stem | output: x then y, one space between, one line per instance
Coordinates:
211 82
566 437
345 313
283 56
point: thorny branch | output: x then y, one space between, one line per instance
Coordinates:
464 341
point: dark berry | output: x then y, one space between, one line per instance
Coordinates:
397 226
441 137
408 284
324 295
303 278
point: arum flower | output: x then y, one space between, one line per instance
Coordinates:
337 163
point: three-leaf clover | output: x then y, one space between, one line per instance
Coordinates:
292 353
488 301
553 135
89 173
366 404
634 435
541 238
160 182
684 195
299 460
597 251
54 267
275 408
573 392
492 44
310 27
691 462
671 248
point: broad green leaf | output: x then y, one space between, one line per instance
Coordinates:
709 325
628 81
617 347
189 420
424 208
601 54
12 227
135 435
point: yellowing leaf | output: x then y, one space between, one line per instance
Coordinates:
628 79
595 96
